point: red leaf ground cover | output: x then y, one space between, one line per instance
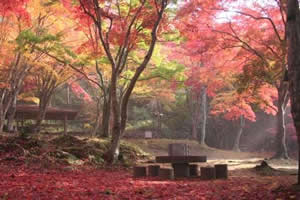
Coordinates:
21 182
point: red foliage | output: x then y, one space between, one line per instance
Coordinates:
16 7
80 92
19 182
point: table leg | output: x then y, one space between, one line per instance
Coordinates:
181 169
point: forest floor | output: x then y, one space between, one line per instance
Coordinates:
234 160
29 179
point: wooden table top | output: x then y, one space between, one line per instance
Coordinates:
180 159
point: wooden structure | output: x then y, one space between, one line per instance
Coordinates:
194 170
153 170
180 164
221 171
166 173
208 173
26 112
180 159
178 149
139 171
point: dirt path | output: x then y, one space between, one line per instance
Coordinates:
234 160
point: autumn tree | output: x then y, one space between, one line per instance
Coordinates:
263 50
14 65
48 77
122 28
267 52
241 54
35 42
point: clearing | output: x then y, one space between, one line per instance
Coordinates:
72 168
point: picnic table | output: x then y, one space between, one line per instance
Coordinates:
180 164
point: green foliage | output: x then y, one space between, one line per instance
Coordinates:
29 41
173 36
50 2
44 42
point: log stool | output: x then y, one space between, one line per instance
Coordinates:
166 173
193 170
208 173
221 171
181 169
139 171
153 170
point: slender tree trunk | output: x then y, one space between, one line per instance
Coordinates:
280 140
5 104
106 116
194 102
119 109
2 119
113 151
68 93
236 145
2 116
11 115
44 101
194 130
158 117
97 122
204 115
293 26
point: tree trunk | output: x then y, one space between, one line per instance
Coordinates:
11 115
194 130
158 117
2 118
194 102
113 151
119 109
6 103
236 146
280 140
68 94
106 117
44 101
293 24
204 115
97 122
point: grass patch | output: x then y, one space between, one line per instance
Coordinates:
66 149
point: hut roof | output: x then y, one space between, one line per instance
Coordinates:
52 113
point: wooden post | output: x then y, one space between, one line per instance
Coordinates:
65 124
181 169
166 173
139 171
208 173
193 170
153 170
221 171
